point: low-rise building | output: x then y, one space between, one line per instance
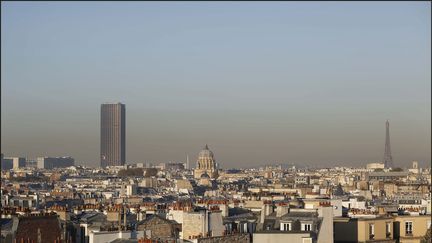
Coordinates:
155 227
362 230
297 226
410 229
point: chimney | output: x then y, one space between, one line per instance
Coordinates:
119 221
266 209
124 218
282 209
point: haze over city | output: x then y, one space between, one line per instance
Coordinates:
286 82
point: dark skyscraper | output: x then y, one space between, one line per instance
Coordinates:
113 134
388 160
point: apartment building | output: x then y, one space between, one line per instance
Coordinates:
411 228
377 229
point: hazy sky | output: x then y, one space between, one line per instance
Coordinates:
260 82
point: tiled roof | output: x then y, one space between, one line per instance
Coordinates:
300 215
48 226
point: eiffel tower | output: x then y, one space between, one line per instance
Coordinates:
388 160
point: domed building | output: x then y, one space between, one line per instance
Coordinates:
206 164
205 180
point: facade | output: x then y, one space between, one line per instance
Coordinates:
415 168
295 225
174 166
113 135
24 201
158 228
6 164
54 162
377 229
197 222
401 228
302 180
387 176
206 164
411 228
109 236
372 166
19 162
31 163
15 163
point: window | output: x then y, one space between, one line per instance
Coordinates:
428 224
371 231
388 229
285 227
306 227
408 227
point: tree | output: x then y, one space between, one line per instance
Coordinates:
149 172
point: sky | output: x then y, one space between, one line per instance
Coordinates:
309 83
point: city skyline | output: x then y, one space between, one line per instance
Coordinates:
274 83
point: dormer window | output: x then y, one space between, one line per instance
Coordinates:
285 226
306 226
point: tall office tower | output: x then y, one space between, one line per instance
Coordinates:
388 160
113 135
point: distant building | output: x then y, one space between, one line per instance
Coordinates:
6 164
131 190
302 180
24 201
12 163
206 164
174 166
113 135
415 168
31 163
387 176
18 162
54 162
372 166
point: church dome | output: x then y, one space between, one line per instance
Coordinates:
206 162
206 153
